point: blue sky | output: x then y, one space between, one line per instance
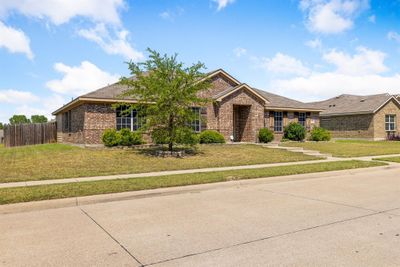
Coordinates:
307 49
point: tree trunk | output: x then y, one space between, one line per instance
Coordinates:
170 146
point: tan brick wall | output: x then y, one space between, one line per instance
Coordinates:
76 135
98 117
391 108
255 118
352 126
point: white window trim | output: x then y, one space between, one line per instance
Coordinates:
305 119
390 122
275 121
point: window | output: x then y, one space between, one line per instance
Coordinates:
196 122
278 121
302 119
390 123
67 121
126 119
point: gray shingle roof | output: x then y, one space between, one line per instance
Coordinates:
351 104
284 102
112 91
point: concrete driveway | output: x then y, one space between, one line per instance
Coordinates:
349 218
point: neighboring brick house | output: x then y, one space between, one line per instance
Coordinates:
238 110
370 117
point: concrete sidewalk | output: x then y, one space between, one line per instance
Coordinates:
164 173
346 218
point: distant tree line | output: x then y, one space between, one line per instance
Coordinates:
18 119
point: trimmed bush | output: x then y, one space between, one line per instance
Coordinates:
111 138
126 137
187 137
295 132
211 137
320 134
265 135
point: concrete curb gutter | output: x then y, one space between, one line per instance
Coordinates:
104 198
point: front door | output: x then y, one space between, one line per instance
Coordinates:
241 123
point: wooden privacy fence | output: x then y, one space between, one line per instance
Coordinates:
30 134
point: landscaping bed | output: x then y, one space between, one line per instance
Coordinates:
350 148
56 191
56 161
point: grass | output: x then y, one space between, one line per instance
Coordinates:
390 159
56 191
351 148
56 161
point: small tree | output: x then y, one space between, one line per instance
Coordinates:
1 126
166 91
18 119
38 119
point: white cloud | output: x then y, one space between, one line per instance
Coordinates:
172 14
47 106
16 97
320 86
59 11
78 80
284 64
15 40
364 62
393 36
115 43
332 16
372 18
223 3
359 73
239 51
316 43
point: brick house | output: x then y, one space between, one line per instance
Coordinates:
238 111
369 117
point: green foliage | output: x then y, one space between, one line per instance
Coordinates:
18 119
111 138
186 136
38 119
320 134
172 89
211 137
265 135
124 137
129 138
295 132
1 126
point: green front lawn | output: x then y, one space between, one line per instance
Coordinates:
390 159
56 161
350 148
55 191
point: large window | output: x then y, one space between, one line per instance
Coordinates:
128 119
278 121
302 119
196 122
390 123
67 121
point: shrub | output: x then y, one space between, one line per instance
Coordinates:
320 134
137 138
187 137
111 137
295 132
126 137
129 138
265 135
211 137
